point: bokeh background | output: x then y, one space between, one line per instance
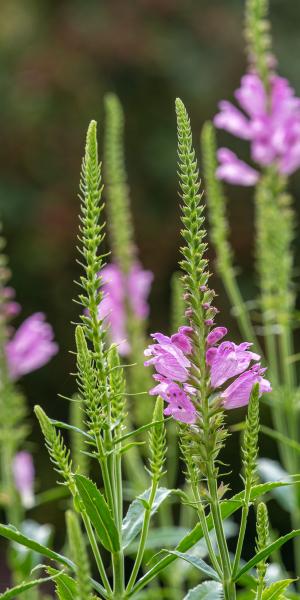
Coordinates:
58 59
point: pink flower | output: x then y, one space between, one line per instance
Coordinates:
169 355
23 471
238 393
180 407
117 291
216 335
31 347
272 125
228 360
233 170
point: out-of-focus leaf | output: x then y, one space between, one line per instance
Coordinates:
271 470
133 520
208 590
266 552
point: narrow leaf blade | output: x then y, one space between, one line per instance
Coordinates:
98 512
198 563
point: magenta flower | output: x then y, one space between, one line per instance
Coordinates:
180 407
216 335
233 170
271 125
238 393
31 347
118 290
23 471
228 360
169 355
225 361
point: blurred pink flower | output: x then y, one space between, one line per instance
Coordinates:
233 170
117 290
23 471
31 347
272 126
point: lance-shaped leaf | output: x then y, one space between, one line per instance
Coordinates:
11 533
208 590
65 586
276 590
198 563
133 520
268 550
99 513
24 587
228 507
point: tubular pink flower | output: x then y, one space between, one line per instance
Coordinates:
117 291
31 347
216 335
228 360
272 125
232 120
233 170
238 393
180 407
169 355
23 471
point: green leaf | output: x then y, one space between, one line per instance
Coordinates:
208 590
133 520
11 533
66 587
271 470
228 507
275 591
267 551
24 587
98 512
63 425
197 562
139 430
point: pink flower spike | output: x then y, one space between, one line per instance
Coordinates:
215 335
228 360
23 471
238 393
117 290
31 347
233 170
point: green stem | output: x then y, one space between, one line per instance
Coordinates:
242 531
96 553
118 571
203 523
143 538
228 584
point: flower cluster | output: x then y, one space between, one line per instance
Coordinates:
169 357
119 290
225 361
270 122
228 360
31 347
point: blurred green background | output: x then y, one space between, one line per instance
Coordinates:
58 59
